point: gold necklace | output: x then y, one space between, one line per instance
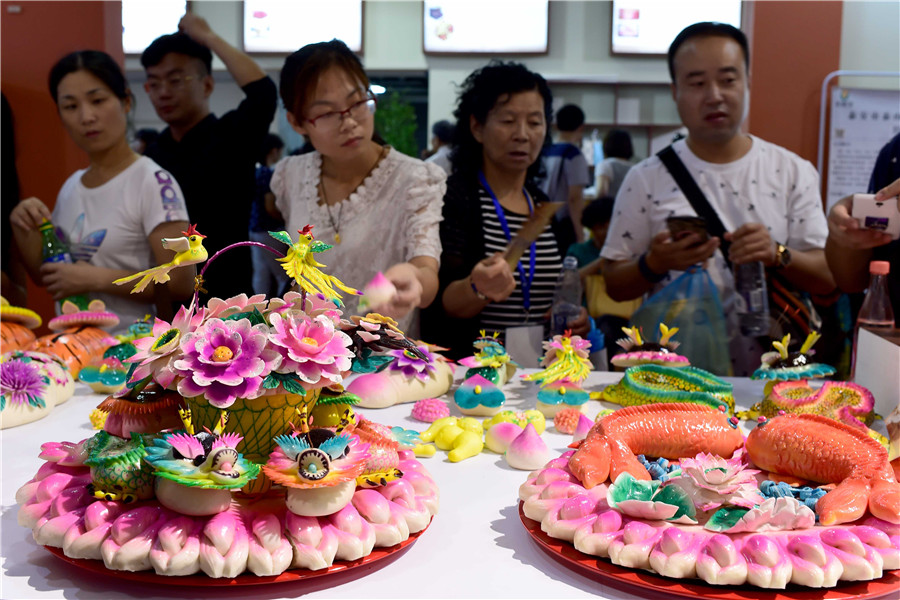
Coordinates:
336 225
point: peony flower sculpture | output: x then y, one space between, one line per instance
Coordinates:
224 360
712 481
311 348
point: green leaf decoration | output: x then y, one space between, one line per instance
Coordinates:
725 518
676 496
121 351
293 386
626 487
327 396
282 236
289 381
255 317
317 246
370 362
35 401
2 402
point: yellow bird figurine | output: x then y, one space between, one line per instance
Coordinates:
300 264
189 251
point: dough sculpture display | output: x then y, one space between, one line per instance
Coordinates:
650 383
566 366
16 325
403 372
234 449
639 351
77 337
480 393
709 508
31 385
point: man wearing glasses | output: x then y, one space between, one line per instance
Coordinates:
213 159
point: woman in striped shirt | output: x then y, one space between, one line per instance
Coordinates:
503 115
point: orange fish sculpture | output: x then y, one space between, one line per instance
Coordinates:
823 450
670 430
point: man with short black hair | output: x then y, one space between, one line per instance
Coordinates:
766 197
566 175
213 159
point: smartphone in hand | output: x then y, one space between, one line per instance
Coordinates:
680 226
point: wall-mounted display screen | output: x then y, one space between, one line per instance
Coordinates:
498 26
288 25
145 20
649 26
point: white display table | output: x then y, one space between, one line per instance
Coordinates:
476 547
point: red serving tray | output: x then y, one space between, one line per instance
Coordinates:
655 586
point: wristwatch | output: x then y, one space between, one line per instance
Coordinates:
782 255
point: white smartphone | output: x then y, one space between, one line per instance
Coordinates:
883 216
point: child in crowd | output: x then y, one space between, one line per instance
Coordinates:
609 315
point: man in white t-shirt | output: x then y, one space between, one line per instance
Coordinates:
766 197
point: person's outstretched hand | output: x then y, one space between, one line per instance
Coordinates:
409 291
67 279
28 214
493 277
844 230
751 242
892 189
668 254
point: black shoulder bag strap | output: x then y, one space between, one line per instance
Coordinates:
695 196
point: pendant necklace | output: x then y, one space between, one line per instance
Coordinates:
336 225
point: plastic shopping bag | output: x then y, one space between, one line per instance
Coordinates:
692 304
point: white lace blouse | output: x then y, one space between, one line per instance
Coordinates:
392 217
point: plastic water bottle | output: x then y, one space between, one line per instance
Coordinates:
876 313
752 298
54 250
567 298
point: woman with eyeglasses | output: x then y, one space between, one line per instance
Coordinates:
502 115
379 208
114 213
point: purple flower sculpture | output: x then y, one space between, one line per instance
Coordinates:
225 360
411 365
21 383
156 352
311 348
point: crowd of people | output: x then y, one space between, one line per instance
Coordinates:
439 228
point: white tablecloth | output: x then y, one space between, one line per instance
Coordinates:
476 546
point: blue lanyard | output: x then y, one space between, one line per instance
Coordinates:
501 216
